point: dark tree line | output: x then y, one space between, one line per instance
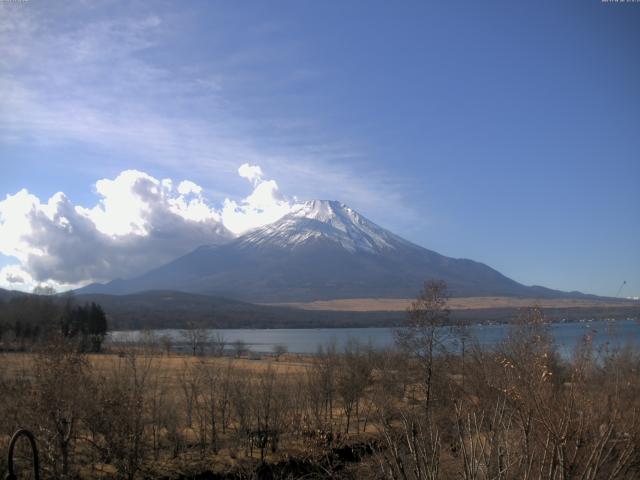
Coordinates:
87 323
30 319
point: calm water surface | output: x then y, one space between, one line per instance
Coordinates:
307 340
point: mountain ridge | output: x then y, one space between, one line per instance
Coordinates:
321 250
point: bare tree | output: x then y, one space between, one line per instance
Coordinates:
354 375
196 337
423 334
279 349
207 403
159 408
119 418
189 382
240 395
410 450
269 407
224 395
167 343
217 344
58 409
321 386
148 342
240 348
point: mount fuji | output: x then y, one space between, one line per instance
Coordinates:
320 250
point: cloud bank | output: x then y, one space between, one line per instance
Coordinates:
265 204
139 222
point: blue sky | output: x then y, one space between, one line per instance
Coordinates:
506 132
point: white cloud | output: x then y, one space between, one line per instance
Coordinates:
14 274
14 277
139 222
188 186
132 200
265 204
253 173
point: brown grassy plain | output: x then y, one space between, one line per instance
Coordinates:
416 413
461 303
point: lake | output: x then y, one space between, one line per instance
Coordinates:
307 340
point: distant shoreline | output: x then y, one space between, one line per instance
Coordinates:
337 319
455 303
307 340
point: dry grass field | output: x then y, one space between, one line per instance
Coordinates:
463 303
172 365
179 394
416 412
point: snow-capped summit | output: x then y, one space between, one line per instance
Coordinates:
324 211
323 220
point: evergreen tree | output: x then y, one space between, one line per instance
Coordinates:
97 326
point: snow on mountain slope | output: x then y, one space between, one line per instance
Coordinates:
318 220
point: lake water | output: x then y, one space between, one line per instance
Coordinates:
307 340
